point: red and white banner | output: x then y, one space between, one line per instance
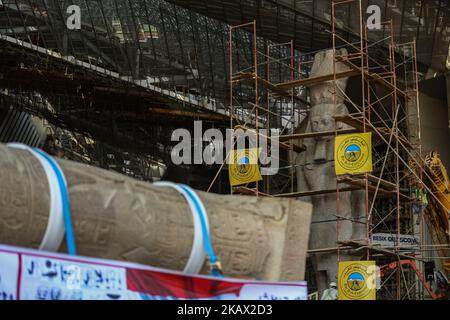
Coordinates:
36 275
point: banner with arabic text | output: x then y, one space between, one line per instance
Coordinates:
36 275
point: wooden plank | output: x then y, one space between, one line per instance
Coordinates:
362 184
381 191
383 182
313 193
358 124
374 179
351 121
307 135
283 145
315 80
249 192
268 85
374 248
373 76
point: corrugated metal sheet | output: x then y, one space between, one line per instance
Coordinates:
18 126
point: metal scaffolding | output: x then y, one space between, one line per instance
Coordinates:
109 89
270 91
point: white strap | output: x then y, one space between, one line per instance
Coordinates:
54 232
198 253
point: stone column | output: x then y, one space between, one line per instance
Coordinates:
117 217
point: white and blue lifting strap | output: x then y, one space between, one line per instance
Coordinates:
201 246
60 220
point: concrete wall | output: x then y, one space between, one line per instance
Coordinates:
434 113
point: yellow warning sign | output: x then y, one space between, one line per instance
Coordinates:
244 166
357 280
353 153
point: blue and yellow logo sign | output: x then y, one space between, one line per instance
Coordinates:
244 166
353 153
357 280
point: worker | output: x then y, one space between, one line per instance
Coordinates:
420 204
330 293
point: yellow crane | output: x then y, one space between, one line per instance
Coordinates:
440 201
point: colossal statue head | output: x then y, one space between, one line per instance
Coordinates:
322 93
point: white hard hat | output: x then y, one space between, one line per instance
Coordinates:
333 284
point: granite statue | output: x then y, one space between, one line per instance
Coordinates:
315 172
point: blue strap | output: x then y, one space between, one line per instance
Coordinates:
207 241
70 238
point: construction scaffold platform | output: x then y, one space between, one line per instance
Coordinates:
268 89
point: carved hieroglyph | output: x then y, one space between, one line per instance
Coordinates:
315 171
120 218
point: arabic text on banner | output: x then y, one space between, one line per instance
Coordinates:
35 275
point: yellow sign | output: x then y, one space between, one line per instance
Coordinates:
353 153
244 166
357 280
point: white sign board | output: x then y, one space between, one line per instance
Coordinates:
36 275
390 240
